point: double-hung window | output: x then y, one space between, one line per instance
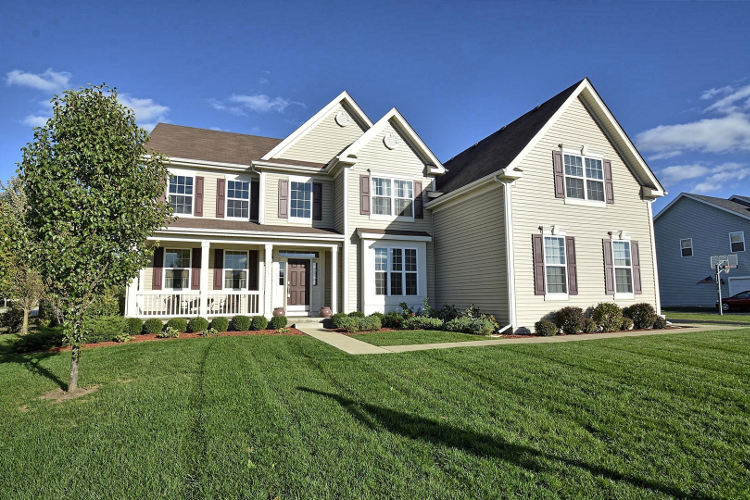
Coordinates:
177 269
235 270
238 199
623 267
300 199
584 177
686 247
555 265
737 241
392 197
396 271
181 194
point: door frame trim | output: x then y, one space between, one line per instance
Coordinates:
308 266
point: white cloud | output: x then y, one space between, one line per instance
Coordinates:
49 81
35 120
678 173
710 135
239 104
738 100
713 92
220 106
147 112
664 156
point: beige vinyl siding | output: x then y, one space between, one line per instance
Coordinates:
338 203
272 202
535 205
470 253
325 140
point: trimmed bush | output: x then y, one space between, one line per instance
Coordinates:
422 323
348 323
643 315
210 332
45 338
353 324
169 333
123 337
589 326
12 319
260 322
393 320
133 326
338 320
196 325
219 324
627 324
660 322
372 322
380 315
545 328
447 313
241 323
608 316
277 322
178 324
570 320
103 328
356 314
466 324
152 325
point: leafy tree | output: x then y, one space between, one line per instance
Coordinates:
94 194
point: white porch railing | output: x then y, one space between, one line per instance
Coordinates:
231 303
162 304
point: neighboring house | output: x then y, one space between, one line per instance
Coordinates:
689 231
552 210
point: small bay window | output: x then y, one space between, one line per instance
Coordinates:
395 271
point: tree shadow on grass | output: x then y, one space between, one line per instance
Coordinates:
18 352
481 445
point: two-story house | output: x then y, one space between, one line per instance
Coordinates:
553 209
690 230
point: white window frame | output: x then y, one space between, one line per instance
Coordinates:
237 178
741 233
225 269
585 200
182 173
392 180
555 233
189 269
301 180
389 270
692 251
623 295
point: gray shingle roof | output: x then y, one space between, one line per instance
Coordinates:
733 206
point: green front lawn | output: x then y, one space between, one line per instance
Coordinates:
260 417
707 317
402 337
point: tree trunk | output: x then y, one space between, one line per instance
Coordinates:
75 356
25 324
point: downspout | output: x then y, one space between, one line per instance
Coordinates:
509 254
657 290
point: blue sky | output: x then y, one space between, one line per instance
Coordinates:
676 75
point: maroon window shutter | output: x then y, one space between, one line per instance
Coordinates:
570 250
418 206
609 192
635 259
283 198
364 195
198 205
195 273
252 270
218 269
317 201
557 167
158 268
221 193
255 201
537 243
609 268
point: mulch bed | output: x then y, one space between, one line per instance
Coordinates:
501 336
150 337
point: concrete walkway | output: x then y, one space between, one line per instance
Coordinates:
351 345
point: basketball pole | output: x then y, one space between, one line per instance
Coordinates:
718 286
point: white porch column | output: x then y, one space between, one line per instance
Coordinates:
268 280
131 306
205 247
335 279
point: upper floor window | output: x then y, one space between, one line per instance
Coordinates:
392 197
177 269
235 270
584 177
555 265
686 247
623 267
300 200
396 271
181 194
238 199
737 241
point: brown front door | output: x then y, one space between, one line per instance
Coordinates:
297 289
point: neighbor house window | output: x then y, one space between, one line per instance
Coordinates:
301 200
181 194
238 199
395 271
686 247
737 241
555 265
177 269
235 270
623 267
584 178
392 197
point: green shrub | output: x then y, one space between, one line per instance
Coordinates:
353 324
466 324
219 324
153 325
209 332
107 303
422 323
12 319
643 315
356 314
241 323
178 324
627 324
338 320
133 326
589 326
545 328
123 337
259 323
393 320
103 328
277 322
570 320
46 338
372 322
447 313
196 325
608 316
380 315
169 333
660 322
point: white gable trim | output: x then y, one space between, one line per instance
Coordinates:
705 202
317 117
349 155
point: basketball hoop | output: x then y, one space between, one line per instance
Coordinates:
722 264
